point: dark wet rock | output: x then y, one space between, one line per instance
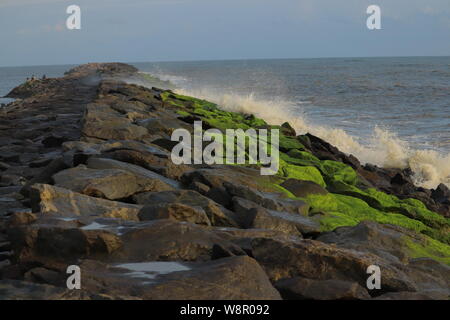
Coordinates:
325 151
306 289
287 130
174 211
441 194
218 215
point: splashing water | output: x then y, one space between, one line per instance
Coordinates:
384 148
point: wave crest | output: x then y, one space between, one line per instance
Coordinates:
384 148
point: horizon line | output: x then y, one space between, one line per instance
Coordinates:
223 60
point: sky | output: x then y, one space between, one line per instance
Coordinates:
33 32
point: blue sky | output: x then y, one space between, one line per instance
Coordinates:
32 32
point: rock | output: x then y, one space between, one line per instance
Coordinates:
235 278
251 215
23 290
267 200
319 261
58 201
218 215
236 175
147 160
303 188
306 289
44 243
174 211
287 130
53 141
45 276
20 218
102 122
46 175
386 241
170 241
325 151
111 184
100 163
441 194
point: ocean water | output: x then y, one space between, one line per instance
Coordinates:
393 112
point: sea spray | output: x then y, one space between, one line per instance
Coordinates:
384 148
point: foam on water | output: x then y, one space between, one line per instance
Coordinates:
384 148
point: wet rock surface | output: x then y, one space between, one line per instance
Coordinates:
86 179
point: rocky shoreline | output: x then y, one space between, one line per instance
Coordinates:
86 179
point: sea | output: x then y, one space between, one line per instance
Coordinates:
392 112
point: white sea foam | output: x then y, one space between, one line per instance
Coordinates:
384 148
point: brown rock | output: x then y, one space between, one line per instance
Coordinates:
307 289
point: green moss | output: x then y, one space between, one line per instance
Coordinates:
302 155
428 248
301 173
340 208
338 171
151 81
289 143
347 205
183 113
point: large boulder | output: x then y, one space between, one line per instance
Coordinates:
234 278
267 200
161 182
319 261
102 122
251 215
56 201
174 211
303 188
217 214
111 184
171 240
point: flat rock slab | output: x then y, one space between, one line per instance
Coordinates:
111 184
163 182
58 201
237 278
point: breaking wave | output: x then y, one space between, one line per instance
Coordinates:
383 148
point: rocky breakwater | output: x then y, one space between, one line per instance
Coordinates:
86 179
